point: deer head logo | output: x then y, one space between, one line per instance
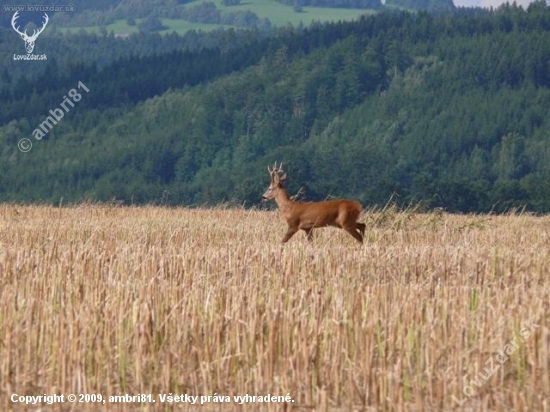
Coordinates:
29 40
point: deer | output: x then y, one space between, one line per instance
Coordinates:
306 216
29 40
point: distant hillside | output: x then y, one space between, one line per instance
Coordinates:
345 4
428 5
130 16
127 16
412 107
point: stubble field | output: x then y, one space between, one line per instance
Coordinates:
97 299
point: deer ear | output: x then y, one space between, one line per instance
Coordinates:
282 178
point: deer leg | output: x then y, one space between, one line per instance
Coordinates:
309 234
289 233
353 231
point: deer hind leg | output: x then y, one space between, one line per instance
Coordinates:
289 233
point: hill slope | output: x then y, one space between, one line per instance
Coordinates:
129 16
424 107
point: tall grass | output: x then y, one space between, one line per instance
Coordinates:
114 301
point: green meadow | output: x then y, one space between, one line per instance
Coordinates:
279 15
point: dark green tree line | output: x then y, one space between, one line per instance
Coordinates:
450 110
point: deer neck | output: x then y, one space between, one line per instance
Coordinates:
283 201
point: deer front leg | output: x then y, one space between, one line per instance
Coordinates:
289 233
354 232
309 233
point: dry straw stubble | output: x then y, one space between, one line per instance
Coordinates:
110 300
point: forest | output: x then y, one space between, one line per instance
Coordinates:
447 109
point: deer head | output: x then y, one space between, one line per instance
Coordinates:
278 177
29 40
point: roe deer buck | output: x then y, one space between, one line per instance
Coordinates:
341 213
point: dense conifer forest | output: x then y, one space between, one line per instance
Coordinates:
446 109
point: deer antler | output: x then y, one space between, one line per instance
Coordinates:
277 172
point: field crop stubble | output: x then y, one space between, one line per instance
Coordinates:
111 300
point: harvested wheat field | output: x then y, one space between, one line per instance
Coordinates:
116 305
